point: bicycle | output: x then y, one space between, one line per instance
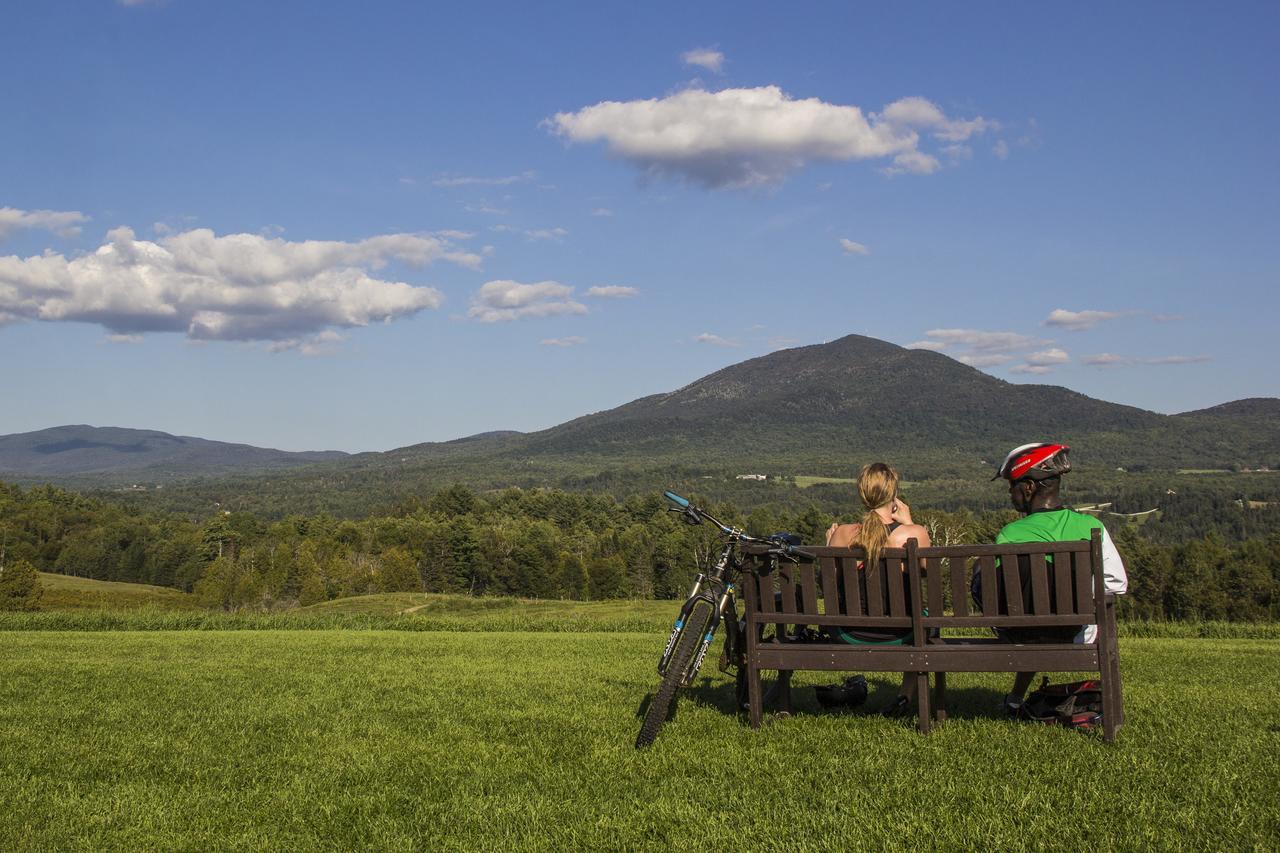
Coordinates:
711 602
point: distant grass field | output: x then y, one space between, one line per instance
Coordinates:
403 741
804 481
63 592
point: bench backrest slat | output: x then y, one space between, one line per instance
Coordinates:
1062 582
830 598
808 590
851 587
958 566
933 581
875 592
786 573
990 586
1039 585
895 581
1084 583
1012 586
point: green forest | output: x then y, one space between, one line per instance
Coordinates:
1206 554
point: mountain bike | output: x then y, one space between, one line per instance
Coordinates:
712 602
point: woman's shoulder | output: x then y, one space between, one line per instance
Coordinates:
842 535
904 532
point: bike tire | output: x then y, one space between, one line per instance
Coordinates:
695 628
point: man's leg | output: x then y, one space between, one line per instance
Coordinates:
1020 684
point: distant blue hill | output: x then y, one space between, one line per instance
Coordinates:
78 450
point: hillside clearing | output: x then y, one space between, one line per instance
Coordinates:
64 592
343 740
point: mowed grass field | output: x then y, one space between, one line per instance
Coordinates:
341 739
64 592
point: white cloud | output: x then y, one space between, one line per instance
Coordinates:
235 287
984 359
715 340
64 223
917 112
1178 359
982 341
932 346
547 233
1001 149
1078 321
123 339
753 137
504 300
612 291
704 57
853 248
570 341
1037 369
602 211
1107 359
484 207
1048 357
323 343
469 181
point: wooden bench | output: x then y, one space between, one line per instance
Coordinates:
1027 586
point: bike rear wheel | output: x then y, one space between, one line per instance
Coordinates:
690 640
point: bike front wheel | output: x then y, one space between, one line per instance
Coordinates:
687 645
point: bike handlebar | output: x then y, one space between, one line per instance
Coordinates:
781 547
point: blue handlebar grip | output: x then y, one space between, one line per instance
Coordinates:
676 499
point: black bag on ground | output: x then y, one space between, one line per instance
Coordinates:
1077 705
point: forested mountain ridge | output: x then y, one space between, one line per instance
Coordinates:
80 449
815 410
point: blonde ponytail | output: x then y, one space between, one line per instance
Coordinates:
877 486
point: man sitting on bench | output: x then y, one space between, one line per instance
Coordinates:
1034 472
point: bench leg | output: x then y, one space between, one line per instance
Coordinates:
922 702
940 696
755 696
784 690
1114 678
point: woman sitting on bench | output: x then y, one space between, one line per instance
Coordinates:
886 523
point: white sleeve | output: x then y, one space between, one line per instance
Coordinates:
1114 577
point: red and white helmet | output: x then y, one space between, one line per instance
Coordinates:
1035 462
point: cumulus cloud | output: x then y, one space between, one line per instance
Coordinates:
123 339
64 223
1077 321
505 300
982 341
704 57
853 248
932 346
612 291
1106 359
1048 357
984 359
570 341
1042 362
715 340
1001 149
547 233
323 343
236 287
754 137
471 181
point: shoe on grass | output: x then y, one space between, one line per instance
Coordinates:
899 707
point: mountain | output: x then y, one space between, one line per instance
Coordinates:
823 409
122 453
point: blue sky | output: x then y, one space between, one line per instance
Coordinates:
386 223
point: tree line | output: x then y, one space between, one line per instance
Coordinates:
540 543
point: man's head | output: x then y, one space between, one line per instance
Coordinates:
1034 472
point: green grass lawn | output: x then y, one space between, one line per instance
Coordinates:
439 740
63 592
